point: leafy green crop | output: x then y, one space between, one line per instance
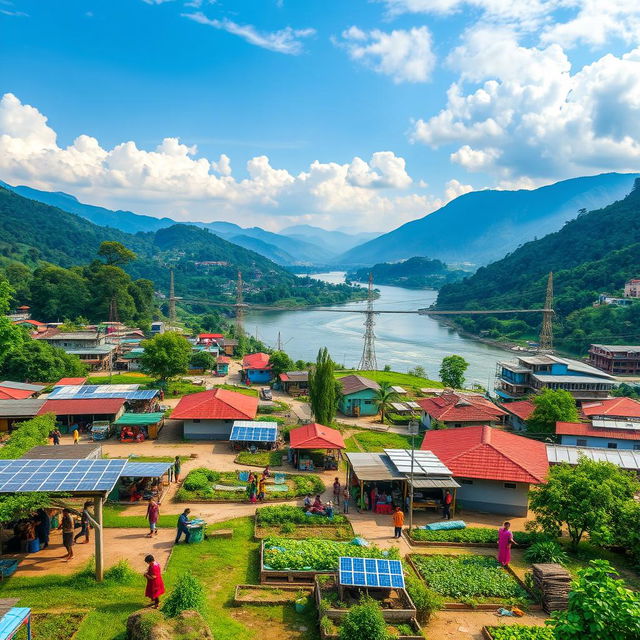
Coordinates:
285 513
465 577
484 535
521 632
315 554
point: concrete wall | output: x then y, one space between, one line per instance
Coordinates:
362 399
602 443
207 429
258 375
491 496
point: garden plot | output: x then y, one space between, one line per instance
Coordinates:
517 632
470 536
411 630
470 580
295 523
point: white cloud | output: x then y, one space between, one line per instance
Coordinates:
285 40
172 180
453 188
527 114
406 56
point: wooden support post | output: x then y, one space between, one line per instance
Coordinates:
453 503
362 505
99 536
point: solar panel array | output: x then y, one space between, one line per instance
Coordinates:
370 572
146 469
424 462
101 391
245 431
59 475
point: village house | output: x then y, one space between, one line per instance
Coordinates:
295 383
530 374
209 415
14 411
518 413
632 288
615 359
10 390
256 368
157 328
229 346
456 409
82 412
90 346
357 397
222 365
494 468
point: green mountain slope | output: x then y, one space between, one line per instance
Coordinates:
595 253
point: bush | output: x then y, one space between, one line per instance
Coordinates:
200 478
364 622
426 600
287 528
546 551
121 572
28 434
188 594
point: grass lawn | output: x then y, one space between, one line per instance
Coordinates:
248 391
261 458
121 378
375 441
136 458
394 378
219 563
45 626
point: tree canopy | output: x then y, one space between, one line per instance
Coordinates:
385 395
323 395
551 406
38 361
166 355
280 362
452 371
115 253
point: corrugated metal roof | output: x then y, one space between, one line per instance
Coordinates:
9 384
624 458
373 466
62 452
354 383
434 483
26 408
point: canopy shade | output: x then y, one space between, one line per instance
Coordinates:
434 483
139 419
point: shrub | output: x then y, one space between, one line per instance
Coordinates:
121 572
364 622
188 594
521 632
426 600
287 527
546 551
200 478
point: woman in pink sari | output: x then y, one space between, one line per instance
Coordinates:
155 585
505 540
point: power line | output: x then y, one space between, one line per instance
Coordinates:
368 361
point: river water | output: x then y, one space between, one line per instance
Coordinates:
402 341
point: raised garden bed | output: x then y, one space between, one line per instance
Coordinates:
260 458
45 626
284 560
471 581
259 594
517 632
411 630
470 537
295 523
396 604
207 486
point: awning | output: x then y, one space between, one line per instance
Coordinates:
145 469
373 466
433 483
139 419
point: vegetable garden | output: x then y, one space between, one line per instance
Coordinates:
470 535
295 523
520 632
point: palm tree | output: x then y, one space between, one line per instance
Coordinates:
385 395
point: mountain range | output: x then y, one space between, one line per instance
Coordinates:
483 226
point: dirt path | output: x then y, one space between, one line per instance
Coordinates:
467 625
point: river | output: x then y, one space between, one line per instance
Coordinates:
402 341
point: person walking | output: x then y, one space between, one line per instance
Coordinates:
67 533
398 522
262 484
446 505
84 524
177 467
43 527
155 585
346 496
183 526
56 436
76 435
337 490
505 540
153 513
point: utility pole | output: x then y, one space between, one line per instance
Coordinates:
279 345
239 307
414 426
113 309
172 301
368 361
546 332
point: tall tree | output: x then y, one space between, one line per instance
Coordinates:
166 356
37 361
323 394
452 371
280 362
385 395
551 406
58 293
115 253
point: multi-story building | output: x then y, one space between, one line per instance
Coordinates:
632 288
616 359
90 346
530 374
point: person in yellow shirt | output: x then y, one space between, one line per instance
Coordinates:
398 521
76 436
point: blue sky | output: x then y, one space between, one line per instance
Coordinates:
353 114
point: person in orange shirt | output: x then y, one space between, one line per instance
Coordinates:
398 521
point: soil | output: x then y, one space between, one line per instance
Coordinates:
459 625
271 595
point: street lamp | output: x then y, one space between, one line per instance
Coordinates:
413 427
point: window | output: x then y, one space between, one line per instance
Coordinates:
612 445
457 424
581 442
465 481
509 485
196 420
636 447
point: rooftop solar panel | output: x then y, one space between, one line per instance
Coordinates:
29 476
370 572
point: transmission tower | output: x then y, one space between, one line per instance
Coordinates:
546 333
239 307
113 310
368 360
172 300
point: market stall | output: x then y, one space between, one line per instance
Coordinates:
315 437
136 427
141 481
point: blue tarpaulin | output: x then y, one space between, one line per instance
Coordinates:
12 621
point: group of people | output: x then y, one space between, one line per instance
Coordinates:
257 486
317 507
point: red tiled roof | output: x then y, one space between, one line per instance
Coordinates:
458 407
489 453
34 323
619 407
587 429
315 436
87 406
521 408
284 377
8 393
216 404
72 381
209 336
223 360
256 361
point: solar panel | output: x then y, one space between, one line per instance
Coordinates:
59 475
146 469
244 431
424 462
370 572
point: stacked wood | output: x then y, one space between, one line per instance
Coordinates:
553 581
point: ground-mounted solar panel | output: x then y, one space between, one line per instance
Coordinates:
244 431
370 572
59 475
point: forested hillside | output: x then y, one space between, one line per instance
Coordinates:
593 254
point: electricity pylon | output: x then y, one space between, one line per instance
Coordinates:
368 361
546 332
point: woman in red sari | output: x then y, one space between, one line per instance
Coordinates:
505 540
155 586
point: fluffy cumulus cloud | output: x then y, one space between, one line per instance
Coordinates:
524 112
173 180
285 40
405 55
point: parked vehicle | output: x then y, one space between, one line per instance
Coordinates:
102 430
265 393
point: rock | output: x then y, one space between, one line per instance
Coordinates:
152 625
192 625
